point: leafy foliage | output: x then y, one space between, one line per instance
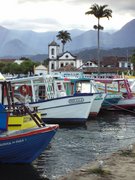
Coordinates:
133 59
64 36
99 11
27 66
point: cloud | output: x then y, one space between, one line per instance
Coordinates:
36 1
25 1
62 14
40 24
121 6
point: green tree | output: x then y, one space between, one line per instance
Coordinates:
6 68
27 67
99 12
14 68
133 60
2 65
25 58
65 37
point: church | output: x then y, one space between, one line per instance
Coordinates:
59 60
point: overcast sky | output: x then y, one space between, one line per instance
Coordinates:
55 15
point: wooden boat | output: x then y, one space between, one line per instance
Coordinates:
131 80
27 143
19 115
85 85
51 99
119 94
24 146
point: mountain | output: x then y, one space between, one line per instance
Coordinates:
125 36
15 47
88 54
122 38
89 40
20 42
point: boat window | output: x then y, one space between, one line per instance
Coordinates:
42 92
59 86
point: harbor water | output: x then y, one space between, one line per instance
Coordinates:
75 146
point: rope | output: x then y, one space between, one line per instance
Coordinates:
127 110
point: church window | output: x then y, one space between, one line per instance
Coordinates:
52 66
61 65
52 51
129 65
72 64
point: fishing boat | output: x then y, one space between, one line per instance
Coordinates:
131 80
85 85
24 146
119 94
19 115
88 86
48 94
26 143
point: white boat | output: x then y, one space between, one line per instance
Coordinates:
49 96
85 85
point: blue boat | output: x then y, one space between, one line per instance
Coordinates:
24 146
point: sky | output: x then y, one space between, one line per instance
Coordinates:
56 15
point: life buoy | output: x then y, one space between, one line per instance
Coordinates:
24 90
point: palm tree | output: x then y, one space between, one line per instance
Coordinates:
99 12
64 36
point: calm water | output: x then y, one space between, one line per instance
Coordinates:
73 147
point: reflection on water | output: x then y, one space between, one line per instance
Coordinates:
73 147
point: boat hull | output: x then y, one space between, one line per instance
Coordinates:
125 104
26 145
119 104
97 103
110 101
68 109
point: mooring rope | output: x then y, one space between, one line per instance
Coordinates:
121 108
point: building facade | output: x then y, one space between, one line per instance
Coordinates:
58 60
40 70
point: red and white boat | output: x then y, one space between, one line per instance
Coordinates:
119 94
